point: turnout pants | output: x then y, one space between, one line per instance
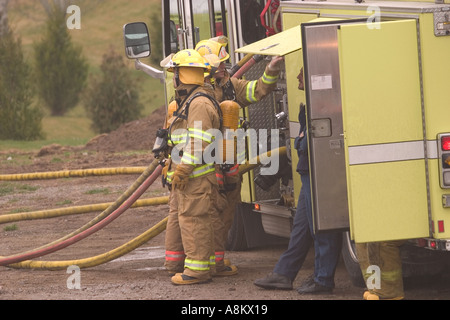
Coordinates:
193 207
174 245
386 257
225 207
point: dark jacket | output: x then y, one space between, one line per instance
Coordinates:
301 143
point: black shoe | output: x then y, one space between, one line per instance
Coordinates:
314 288
309 281
274 281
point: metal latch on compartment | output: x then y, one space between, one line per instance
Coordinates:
446 200
442 22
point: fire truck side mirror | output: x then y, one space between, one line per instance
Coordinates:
137 40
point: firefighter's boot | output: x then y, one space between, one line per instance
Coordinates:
174 272
181 279
229 270
372 296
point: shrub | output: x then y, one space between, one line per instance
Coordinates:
112 99
61 70
19 120
155 30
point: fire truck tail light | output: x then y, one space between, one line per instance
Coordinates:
445 143
433 244
421 242
444 159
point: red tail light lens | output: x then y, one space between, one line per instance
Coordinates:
445 143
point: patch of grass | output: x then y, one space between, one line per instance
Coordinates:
19 210
56 160
6 188
64 202
22 188
10 188
98 191
11 227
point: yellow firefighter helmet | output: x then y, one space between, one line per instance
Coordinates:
187 58
191 66
206 47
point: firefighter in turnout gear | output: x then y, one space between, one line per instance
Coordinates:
244 92
189 232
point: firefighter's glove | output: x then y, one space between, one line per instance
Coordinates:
166 168
275 63
164 172
181 176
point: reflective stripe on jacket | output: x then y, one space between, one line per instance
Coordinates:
248 92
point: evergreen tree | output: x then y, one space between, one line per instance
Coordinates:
61 70
155 31
112 99
19 120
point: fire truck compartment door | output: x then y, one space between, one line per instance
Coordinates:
383 131
278 44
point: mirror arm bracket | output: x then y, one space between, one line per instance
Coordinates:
154 73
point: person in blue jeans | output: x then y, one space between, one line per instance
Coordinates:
327 245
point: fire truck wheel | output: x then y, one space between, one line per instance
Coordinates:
236 236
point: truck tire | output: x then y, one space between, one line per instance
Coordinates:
237 240
351 261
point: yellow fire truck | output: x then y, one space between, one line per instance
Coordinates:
378 115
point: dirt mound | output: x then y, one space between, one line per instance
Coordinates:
134 135
107 150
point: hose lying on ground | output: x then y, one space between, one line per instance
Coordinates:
70 239
147 172
99 259
71 173
128 247
52 213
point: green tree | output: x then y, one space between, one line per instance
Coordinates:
61 70
112 98
19 120
155 31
